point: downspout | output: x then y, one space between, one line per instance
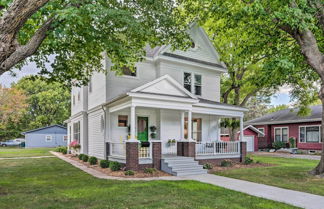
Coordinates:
105 123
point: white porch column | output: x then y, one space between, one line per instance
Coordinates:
132 124
182 123
218 120
241 128
189 125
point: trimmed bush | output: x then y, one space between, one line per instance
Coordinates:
149 170
129 173
104 163
114 166
207 166
278 145
61 149
248 160
226 163
80 156
85 158
93 160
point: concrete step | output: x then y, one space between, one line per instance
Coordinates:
190 172
182 166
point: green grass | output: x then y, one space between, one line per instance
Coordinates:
287 173
24 152
53 183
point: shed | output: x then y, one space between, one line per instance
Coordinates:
50 136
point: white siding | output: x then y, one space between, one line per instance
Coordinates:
169 126
96 135
97 95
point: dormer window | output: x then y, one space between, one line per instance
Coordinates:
195 86
127 71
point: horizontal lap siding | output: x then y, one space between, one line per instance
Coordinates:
96 135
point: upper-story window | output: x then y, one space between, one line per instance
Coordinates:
73 99
79 96
127 71
195 86
90 85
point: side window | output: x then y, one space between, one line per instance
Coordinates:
73 99
48 138
127 71
90 85
187 81
122 120
79 96
198 84
192 82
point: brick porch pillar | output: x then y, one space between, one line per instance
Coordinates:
243 151
156 154
132 162
179 148
189 149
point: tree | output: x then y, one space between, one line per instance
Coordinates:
77 32
277 108
297 24
48 103
258 106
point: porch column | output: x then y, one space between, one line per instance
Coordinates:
241 128
132 124
182 123
189 125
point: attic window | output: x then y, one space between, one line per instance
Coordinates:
127 71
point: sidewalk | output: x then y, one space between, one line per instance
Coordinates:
17 158
298 156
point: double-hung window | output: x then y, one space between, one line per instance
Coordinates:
192 82
281 134
76 131
310 134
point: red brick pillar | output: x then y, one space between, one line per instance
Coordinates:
156 154
132 156
179 148
189 149
243 150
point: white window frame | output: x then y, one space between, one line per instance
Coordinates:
129 76
259 135
193 89
319 140
274 133
65 138
48 137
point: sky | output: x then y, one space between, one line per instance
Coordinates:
281 97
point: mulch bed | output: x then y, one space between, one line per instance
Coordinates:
239 166
121 173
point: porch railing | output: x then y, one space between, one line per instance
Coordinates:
118 149
145 152
170 149
216 148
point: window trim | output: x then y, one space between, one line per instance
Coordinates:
129 76
127 121
319 141
259 135
50 138
274 133
193 84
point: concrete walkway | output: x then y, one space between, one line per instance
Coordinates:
18 158
299 199
297 156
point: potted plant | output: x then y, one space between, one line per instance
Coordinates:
153 128
75 147
153 132
171 142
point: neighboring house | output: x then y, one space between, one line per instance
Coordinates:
283 124
171 96
50 136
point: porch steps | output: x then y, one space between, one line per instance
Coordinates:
182 166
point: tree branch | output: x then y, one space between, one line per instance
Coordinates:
247 97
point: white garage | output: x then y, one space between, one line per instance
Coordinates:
249 143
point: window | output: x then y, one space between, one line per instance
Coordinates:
102 123
65 138
73 99
196 129
90 85
48 138
79 96
127 71
261 130
122 120
281 134
76 131
70 133
193 87
310 134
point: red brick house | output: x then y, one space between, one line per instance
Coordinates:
283 124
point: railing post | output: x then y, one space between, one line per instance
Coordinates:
214 148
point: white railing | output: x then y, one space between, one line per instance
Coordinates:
170 149
145 152
117 149
217 148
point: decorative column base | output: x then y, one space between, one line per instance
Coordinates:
156 154
132 159
243 151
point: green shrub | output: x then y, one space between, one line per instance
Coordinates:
114 166
129 173
93 160
85 158
207 166
61 149
80 156
278 145
149 170
248 160
104 163
292 142
226 163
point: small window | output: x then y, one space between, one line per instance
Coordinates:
127 71
48 138
73 99
261 130
102 123
122 120
65 138
187 81
198 84
79 96
90 85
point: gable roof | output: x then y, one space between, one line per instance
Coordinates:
288 116
164 85
46 127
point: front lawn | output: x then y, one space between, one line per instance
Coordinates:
24 152
287 173
53 183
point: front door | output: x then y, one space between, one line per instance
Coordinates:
142 129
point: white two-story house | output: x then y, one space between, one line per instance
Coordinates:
173 96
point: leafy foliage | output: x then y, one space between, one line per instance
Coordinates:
93 160
149 170
129 173
207 166
278 145
248 160
85 158
104 163
80 156
114 166
226 163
